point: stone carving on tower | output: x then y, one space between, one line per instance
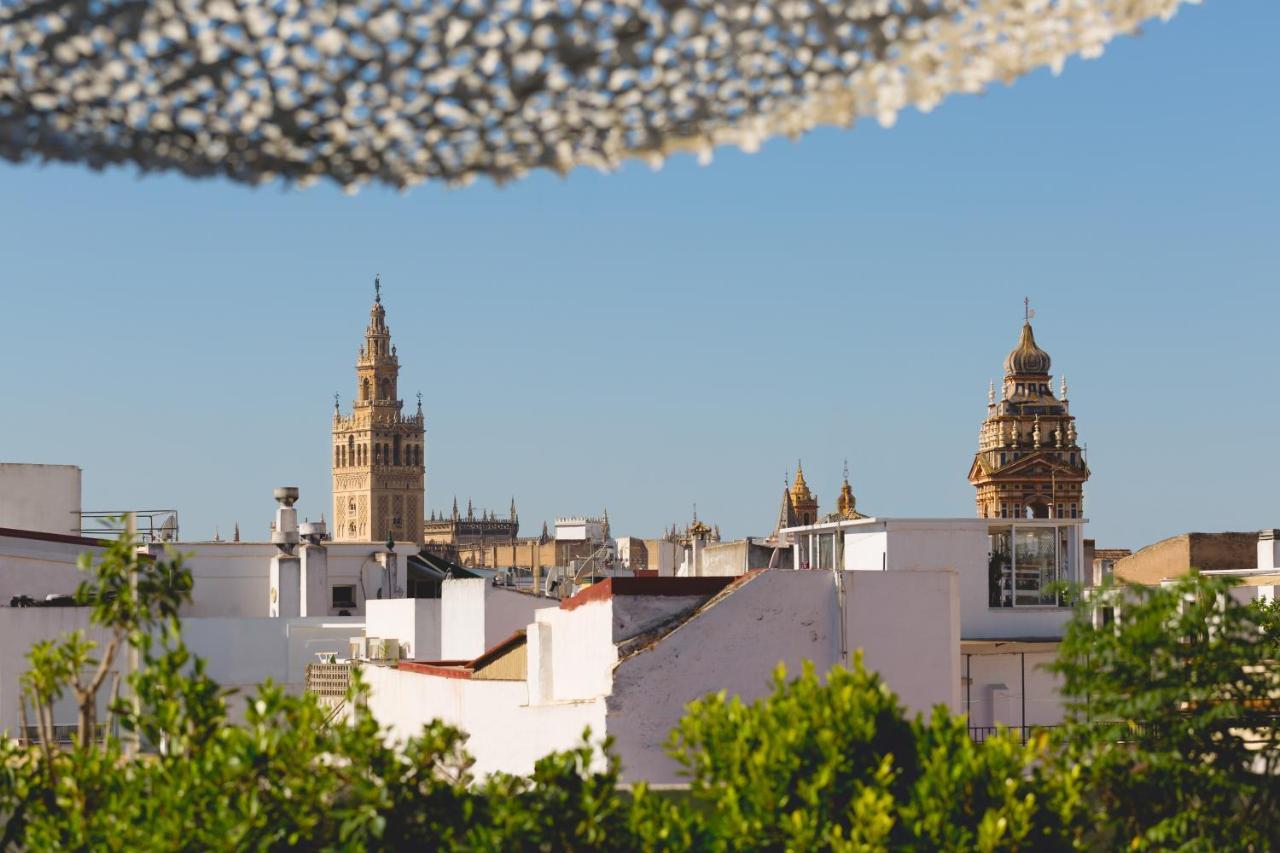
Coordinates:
378 451
803 502
1029 462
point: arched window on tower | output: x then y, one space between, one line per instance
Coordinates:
364 389
386 389
351 449
395 455
377 454
337 457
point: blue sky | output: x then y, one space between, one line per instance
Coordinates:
644 340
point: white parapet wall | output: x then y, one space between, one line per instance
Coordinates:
413 622
43 498
505 733
41 564
240 652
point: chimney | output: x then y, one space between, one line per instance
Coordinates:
285 576
1269 549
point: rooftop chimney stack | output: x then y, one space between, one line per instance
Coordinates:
285 534
1269 549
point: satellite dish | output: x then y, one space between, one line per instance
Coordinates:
169 528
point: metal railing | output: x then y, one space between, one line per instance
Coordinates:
153 525
63 736
1120 732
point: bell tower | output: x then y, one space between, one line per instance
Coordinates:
378 470
1029 461
803 501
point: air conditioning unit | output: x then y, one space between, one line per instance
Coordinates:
358 648
376 648
390 650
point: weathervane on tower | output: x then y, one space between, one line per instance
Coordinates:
377 288
1027 311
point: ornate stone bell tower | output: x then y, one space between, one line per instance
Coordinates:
378 470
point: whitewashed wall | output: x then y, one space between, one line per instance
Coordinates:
414 622
960 545
506 733
787 617
38 568
998 687
241 652
45 498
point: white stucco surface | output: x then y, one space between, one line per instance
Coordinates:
505 732
962 545
414 622
908 627
240 652
1000 682
233 578
507 611
582 651
20 627
786 617
38 568
462 618
44 498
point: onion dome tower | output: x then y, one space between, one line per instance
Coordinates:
1029 462
847 504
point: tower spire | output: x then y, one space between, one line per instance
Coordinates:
377 288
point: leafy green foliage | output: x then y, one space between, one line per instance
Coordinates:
1267 615
838 765
1185 681
1172 715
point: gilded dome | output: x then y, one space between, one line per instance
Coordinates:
1026 358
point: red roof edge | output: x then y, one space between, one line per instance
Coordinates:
463 668
439 668
603 590
40 535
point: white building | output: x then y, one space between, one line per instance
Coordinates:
625 656
580 528
1011 616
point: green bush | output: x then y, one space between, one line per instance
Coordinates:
818 763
